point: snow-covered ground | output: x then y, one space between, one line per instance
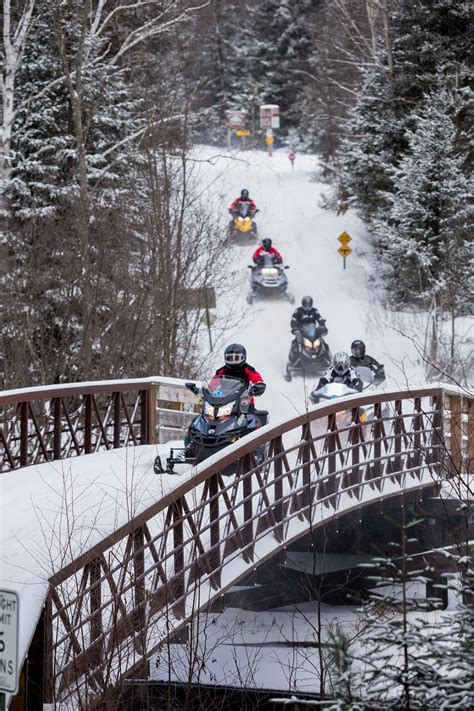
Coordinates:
290 213
35 520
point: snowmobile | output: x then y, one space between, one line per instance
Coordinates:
242 225
336 390
268 279
225 417
314 354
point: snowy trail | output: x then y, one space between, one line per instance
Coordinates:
290 214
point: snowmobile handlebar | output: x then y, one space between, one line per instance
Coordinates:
257 389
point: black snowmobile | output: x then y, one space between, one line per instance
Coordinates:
225 417
313 353
268 278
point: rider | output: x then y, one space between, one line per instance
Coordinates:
236 366
244 197
359 357
267 248
307 314
341 372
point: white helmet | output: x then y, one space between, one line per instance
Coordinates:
341 363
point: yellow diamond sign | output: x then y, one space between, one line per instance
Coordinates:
344 239
344 251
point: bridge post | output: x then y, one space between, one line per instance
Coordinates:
95 598
48 681
456 434
87 424
214 558
117 420
178 553
57 428
470 437
23 434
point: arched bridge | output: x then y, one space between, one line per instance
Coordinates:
110 600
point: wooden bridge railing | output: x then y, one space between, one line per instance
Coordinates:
112 607
55 422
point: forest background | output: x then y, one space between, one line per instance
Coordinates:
101 215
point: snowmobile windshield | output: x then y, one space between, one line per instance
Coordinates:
243 208
266 260
311 331
221 390
333 390
365 374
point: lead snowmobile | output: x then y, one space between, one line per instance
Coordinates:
268 278
313 355
226 416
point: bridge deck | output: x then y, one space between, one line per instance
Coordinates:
53 512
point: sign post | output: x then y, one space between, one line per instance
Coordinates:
291 158
9 616
235 121
269 120
344 250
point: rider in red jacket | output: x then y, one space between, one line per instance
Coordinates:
236 366
267 248
244 197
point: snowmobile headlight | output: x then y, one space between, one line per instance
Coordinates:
240 219
209 411
307 343
269 271
317 344
225 410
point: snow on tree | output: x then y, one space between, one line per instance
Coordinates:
425 38
426 232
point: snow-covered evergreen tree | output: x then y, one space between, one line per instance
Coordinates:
426 39
426 232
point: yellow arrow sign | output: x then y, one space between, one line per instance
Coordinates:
344 251
344 238
242 132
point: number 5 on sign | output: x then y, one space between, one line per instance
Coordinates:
344 250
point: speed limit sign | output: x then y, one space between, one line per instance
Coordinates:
9 615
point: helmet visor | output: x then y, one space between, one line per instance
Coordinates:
234 358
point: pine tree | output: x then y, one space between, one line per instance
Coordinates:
427 39
426 233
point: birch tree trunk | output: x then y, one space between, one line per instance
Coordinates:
14 40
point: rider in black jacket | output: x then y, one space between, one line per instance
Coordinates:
360 358
306 314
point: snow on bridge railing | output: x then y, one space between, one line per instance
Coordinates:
110 608
59 421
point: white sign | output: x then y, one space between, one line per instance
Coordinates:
9 614
270 116
235 119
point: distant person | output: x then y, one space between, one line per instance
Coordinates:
360 358
341 372
244 197
267 248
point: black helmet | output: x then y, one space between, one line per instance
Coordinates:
358 348
235 355
244 194
341 363
307 303
266 244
